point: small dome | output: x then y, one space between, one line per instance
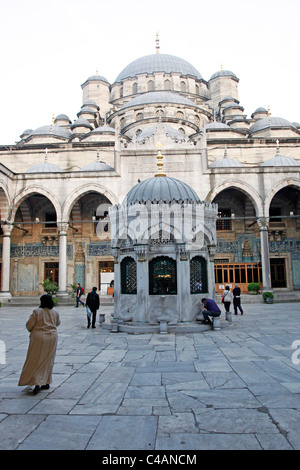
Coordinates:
158 63
96 166
280 160
223 73
44 167
104 130
162 188
269 122
81 123
26 133
62 117
225 163
87 109
91 103
96 78
159 97
52 130
217 126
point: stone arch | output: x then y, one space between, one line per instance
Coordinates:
25 193
244 188
4 201
280 185
81 191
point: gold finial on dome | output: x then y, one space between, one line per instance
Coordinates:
53 119
269 111
159 160
157 43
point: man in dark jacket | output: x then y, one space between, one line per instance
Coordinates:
210 308
93 302
237 299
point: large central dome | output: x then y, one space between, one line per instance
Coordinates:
158 63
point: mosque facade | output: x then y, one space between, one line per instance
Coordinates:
59 180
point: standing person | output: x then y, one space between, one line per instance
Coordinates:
227 298
237 299
38 366
210 309
93 302
79 292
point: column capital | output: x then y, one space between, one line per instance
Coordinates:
263 223
62 228
7 229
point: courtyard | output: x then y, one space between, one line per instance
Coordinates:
237 388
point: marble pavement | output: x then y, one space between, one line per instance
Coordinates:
237 388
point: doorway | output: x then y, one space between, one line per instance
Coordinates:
106 276
278 272
51 271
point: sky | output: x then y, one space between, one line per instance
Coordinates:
49 49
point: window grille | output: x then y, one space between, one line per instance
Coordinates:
162 276
198 275
128 276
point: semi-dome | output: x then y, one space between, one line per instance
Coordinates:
158 63
162 188
159 97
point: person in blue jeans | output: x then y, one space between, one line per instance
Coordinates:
78 295
210 309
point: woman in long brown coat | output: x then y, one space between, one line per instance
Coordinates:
38 366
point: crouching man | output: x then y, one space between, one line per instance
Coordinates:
210 309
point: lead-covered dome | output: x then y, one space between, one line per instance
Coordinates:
158 63
153 97
161 189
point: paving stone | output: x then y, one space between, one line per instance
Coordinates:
125 432
232 389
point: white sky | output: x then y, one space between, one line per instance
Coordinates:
48 49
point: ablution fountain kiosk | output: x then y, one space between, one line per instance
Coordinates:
163 241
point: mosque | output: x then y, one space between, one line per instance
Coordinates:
59 181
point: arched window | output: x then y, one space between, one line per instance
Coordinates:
128 276
183 87
162 276
198 275
167 85
160 113
122 123
151 85
134 88
139 116
180 115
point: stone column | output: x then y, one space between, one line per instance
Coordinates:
117 283
63 228
212 249
142 278
263 223
5 291
183 284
